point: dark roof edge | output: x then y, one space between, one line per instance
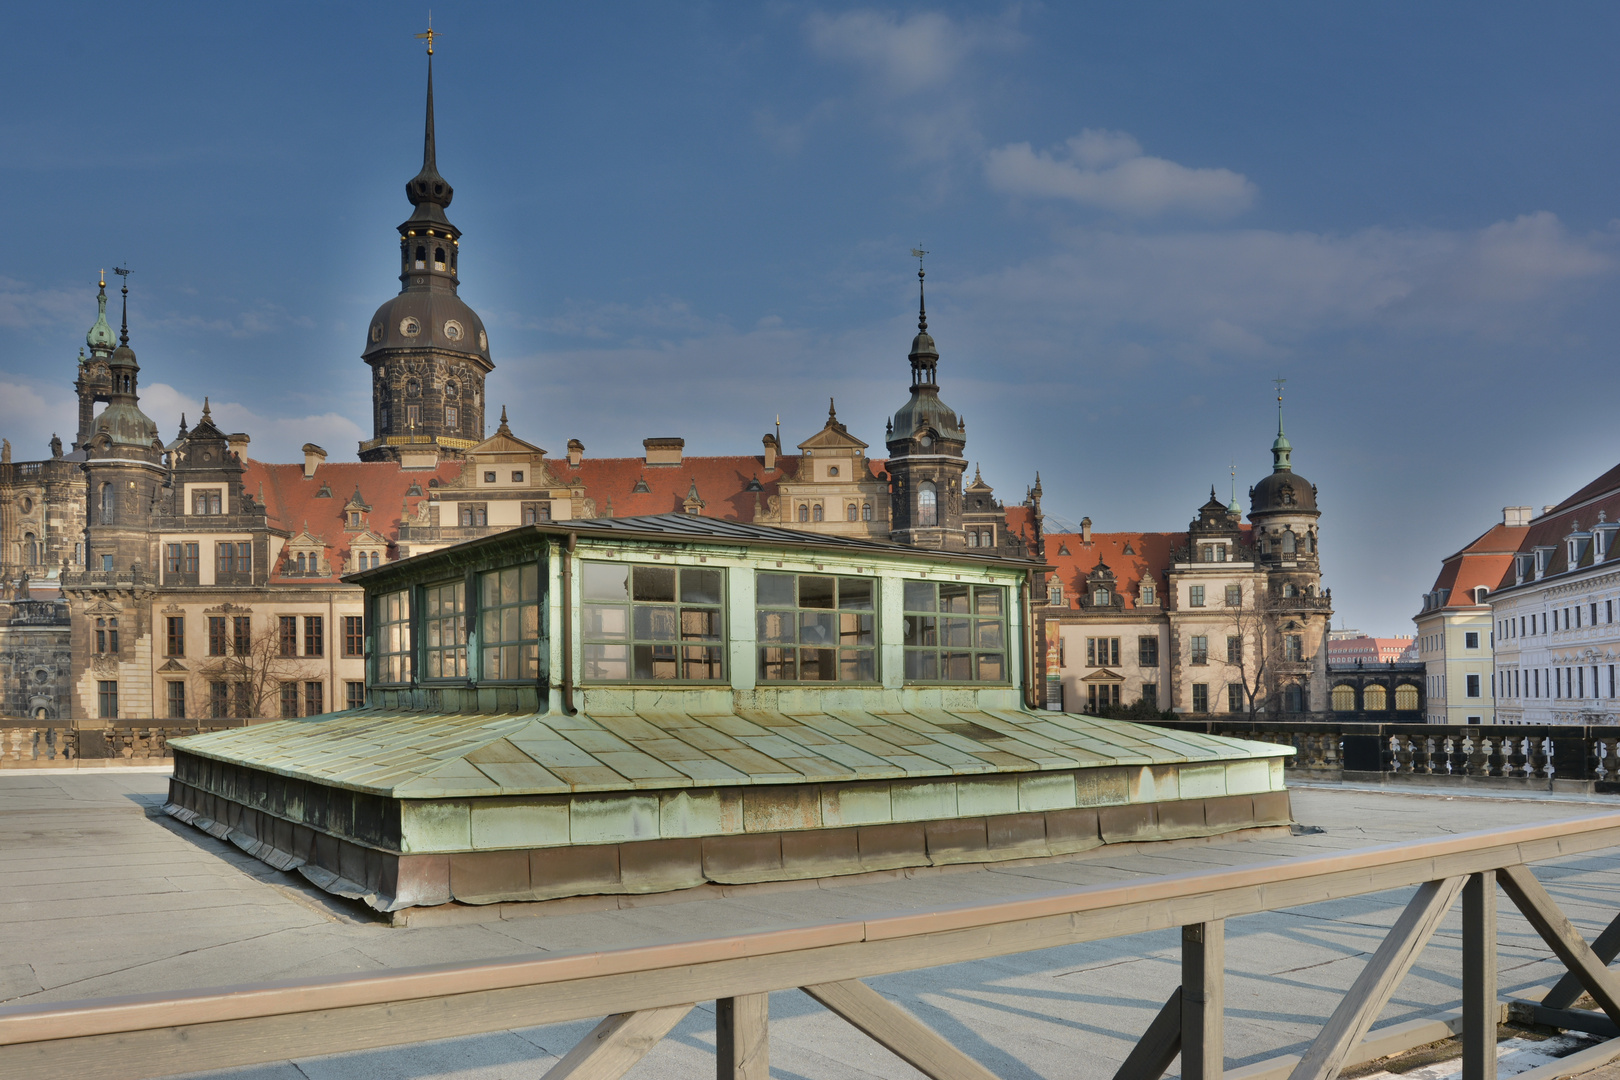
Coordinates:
735 534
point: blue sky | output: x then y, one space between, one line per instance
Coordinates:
687 219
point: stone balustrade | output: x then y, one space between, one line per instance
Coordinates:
1534 755
39 744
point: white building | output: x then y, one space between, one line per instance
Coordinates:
1554 614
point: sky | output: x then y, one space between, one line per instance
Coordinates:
692 219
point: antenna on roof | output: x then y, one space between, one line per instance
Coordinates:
778 433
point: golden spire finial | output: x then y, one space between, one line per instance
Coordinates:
430 33
103 273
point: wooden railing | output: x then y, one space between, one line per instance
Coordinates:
645 991
1536 754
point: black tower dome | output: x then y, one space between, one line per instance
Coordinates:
428 350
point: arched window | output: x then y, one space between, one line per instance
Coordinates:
1288 543
817 512
866 511
1288 588
973 537
1344 698
1406 697
927 504
108 502
804 512
854 512
421 257
1375 699
300 562
1293 698
438 258
30 549
1100 598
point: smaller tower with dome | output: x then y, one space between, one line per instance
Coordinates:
124 466
926 440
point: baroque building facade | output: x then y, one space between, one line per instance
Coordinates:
1224 617
184 579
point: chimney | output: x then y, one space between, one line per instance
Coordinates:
771 450
1546 509
1085 530
238 443
663 451
576 450
314 457
1515 515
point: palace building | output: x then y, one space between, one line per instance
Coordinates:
182 579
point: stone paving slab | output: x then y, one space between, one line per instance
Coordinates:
100 894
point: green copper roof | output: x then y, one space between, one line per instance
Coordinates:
417 755
100 338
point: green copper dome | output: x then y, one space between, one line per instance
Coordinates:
100 338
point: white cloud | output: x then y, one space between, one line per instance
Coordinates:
1249 291
275 438
910 54
917 79
1107 170
25 306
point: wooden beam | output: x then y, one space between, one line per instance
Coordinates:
1203 1001
1158 1046
1559 933
1480 1007
1566 990
1377 981
914 1042
615 1045
742 1047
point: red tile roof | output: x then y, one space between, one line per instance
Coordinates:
1484 561
1075 559
1601 496
293 503
721 482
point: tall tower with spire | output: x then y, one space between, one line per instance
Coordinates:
428 351
926 440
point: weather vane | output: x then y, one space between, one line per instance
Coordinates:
430 33
918 253
123 272
1279 380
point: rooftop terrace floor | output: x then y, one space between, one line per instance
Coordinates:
101 894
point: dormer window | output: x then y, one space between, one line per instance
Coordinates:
1054 594
1150 595
207 501
1101 598
354 519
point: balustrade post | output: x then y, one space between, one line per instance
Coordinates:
1479 977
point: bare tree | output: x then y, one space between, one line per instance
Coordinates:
1251 621
253 669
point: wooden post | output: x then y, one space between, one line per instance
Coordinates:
742 1037
1203 1000
1370 992
1558 932
1480 1010
912 1041
1158 1046
615 1045
1567 989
